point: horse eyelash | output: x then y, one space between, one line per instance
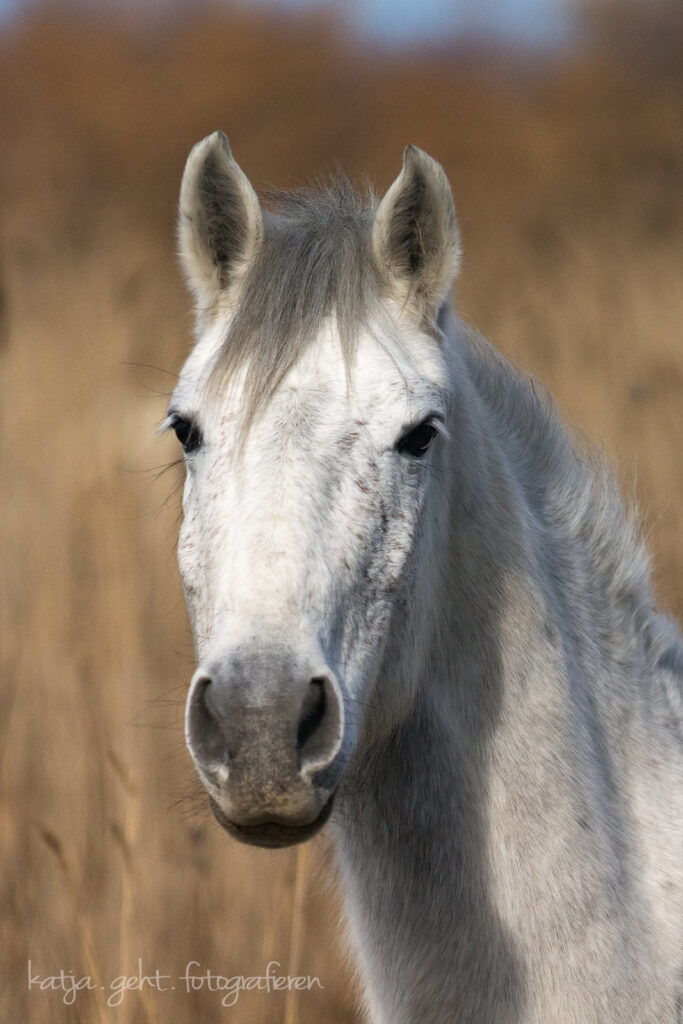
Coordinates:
437 421
167 423
441 428
171 418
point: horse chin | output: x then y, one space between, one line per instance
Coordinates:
272 834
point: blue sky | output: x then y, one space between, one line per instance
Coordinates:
405 21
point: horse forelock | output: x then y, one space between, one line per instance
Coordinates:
314 262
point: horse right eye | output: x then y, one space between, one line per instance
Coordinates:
417 441
187 433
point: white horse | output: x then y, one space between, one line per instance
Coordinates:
422 616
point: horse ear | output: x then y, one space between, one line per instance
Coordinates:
415 236
220 224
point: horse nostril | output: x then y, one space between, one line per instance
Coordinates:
245 728
320 725
205 733
312 713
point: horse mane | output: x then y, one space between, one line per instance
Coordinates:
589 538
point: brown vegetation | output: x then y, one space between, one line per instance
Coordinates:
567 177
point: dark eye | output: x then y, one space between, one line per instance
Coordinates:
187 433
417 441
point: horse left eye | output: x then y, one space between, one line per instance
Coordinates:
417 441
187 433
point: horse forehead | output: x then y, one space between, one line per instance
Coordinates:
382 367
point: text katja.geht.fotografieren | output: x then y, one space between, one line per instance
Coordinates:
194 979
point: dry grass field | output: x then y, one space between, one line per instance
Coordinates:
568 179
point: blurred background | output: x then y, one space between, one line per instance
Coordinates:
561 128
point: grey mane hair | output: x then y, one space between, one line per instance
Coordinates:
315 260
572 491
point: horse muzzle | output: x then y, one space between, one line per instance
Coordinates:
266 732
